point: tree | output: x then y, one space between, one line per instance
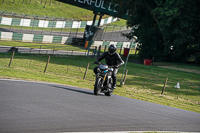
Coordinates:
167 30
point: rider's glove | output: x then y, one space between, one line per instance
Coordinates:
116 66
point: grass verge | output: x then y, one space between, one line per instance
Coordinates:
39 7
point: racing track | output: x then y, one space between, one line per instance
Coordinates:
43 107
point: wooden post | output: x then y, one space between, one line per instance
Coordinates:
11 58
30 63
164 86
125 77
86 71
47 64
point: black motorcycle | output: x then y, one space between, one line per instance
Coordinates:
104 81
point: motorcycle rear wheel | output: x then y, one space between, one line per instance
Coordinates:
97 86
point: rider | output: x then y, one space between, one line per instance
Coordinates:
113 59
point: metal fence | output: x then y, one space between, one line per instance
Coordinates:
111 33
91 51
68 27
114 33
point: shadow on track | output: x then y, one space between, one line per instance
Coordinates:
73 89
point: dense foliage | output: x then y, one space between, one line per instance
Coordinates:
168 30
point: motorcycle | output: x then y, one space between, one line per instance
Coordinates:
104 80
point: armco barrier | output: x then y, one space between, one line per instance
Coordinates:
51 24
10 36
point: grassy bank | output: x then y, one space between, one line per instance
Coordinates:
49 8
43 7
142 82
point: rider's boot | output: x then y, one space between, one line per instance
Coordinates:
114 83
114 86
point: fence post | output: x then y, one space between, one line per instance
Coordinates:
86 71
47 64
34 17
104 32
125 77
52 25
22 23
43 24
13 14
62 25
40 49
88 53
11 58
95 51
71 28
126 63
78 28
112 33
119 33
164 85
105 48
99 51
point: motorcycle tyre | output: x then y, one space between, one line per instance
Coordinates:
109 93
97 88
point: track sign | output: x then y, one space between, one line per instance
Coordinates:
98 6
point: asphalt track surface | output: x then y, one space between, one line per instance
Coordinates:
44 107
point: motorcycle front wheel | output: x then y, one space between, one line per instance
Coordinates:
109 93
97 86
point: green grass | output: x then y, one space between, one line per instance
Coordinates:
61 30
55 9
142 82
43 46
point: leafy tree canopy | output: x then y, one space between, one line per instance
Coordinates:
168 30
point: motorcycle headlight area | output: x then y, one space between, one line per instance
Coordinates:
102 71
105 71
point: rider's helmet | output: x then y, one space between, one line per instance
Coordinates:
112 49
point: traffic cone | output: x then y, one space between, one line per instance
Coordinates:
177 85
